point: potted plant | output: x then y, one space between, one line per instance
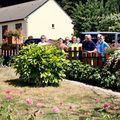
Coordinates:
14 37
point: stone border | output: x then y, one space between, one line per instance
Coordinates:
94 87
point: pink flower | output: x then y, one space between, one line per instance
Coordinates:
55 109
106 105
9 98
29 101
7 91
115 107
40 113
97 100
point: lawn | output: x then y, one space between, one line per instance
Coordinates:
70 101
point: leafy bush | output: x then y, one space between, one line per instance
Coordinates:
111 50
40 65
109 79
1 60
114 61
76 70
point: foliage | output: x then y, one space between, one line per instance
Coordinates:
110 23
40 65
10 106
114 60
112 6
103 110
95 76
69 5
1 60
13 33
86 16
93 15
110 51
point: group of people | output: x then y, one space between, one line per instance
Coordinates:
87 44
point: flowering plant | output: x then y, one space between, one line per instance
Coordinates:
13 33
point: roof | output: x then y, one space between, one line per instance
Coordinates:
95 33
19 11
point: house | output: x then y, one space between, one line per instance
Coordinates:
36 18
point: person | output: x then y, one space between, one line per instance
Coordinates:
88 45
99 36
79 42
98 43
61 45
67 41
43 41
102 46
74 42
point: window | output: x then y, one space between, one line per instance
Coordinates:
4 31
18 26
53 26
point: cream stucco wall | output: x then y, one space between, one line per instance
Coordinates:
11 26
40 22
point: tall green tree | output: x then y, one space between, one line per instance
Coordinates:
87 16
112 6
110 23
69 5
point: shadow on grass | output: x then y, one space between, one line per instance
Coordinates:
19 83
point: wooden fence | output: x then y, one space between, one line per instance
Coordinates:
7 51
93 59
75 53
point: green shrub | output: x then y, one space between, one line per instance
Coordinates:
1 60
114 61
40 65
109 79
111 51
103 77
76 70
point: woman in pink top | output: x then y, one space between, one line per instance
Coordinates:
62 46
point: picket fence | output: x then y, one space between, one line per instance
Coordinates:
93 59
75 53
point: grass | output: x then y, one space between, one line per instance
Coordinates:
73 100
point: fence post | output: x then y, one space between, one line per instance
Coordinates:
94 59
74 52
84 57
100 63
70 53
89 58
80 53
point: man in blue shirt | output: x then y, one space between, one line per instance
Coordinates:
102 46
89 45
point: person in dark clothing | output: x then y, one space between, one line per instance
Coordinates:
88 45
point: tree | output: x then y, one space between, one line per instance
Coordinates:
87 16
110 23
112 6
